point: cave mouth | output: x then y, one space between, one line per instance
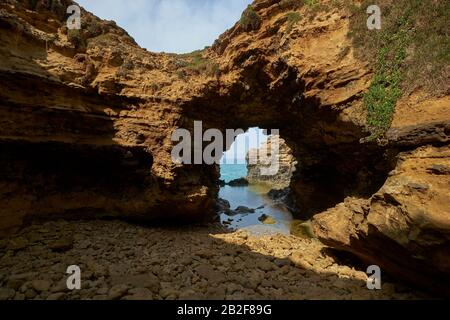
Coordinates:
251 200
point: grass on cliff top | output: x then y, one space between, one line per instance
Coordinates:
250 19
411 51
197 63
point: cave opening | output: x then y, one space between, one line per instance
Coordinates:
255 177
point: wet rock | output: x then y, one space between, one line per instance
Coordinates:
242 182
244 210
223 206
267 219
222 183
302 229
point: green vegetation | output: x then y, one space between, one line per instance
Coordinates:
411 51
292 19
250 20
195 62
311 3
76 38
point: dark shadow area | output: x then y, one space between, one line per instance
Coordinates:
125 261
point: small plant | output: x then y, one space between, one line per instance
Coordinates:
94 29
195 62
291 4
385 89
250 19
311 3
76 38
155 87
292 19
411 52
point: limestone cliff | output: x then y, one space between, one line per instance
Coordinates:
285 164
87 117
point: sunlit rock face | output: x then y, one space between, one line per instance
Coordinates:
271 155
86 121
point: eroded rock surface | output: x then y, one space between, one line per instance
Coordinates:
405 226
259 162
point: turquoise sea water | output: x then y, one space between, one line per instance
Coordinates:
230 172
254 196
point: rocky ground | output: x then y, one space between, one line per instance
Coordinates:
125 261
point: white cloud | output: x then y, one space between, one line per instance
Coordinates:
177 26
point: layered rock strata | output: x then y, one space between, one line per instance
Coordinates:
87 117
279 156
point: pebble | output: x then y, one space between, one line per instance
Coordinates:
6 294
40 285
125 261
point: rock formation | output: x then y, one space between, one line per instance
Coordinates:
405 226
284 158
86 119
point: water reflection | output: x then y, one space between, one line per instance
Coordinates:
255 197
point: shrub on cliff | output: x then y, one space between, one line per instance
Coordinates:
292 19
76 38
411 51
250 19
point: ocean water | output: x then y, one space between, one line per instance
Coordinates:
230 172
255 197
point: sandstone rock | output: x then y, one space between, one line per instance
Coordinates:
260 159
404 227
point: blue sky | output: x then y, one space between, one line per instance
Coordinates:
253 138
177 26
